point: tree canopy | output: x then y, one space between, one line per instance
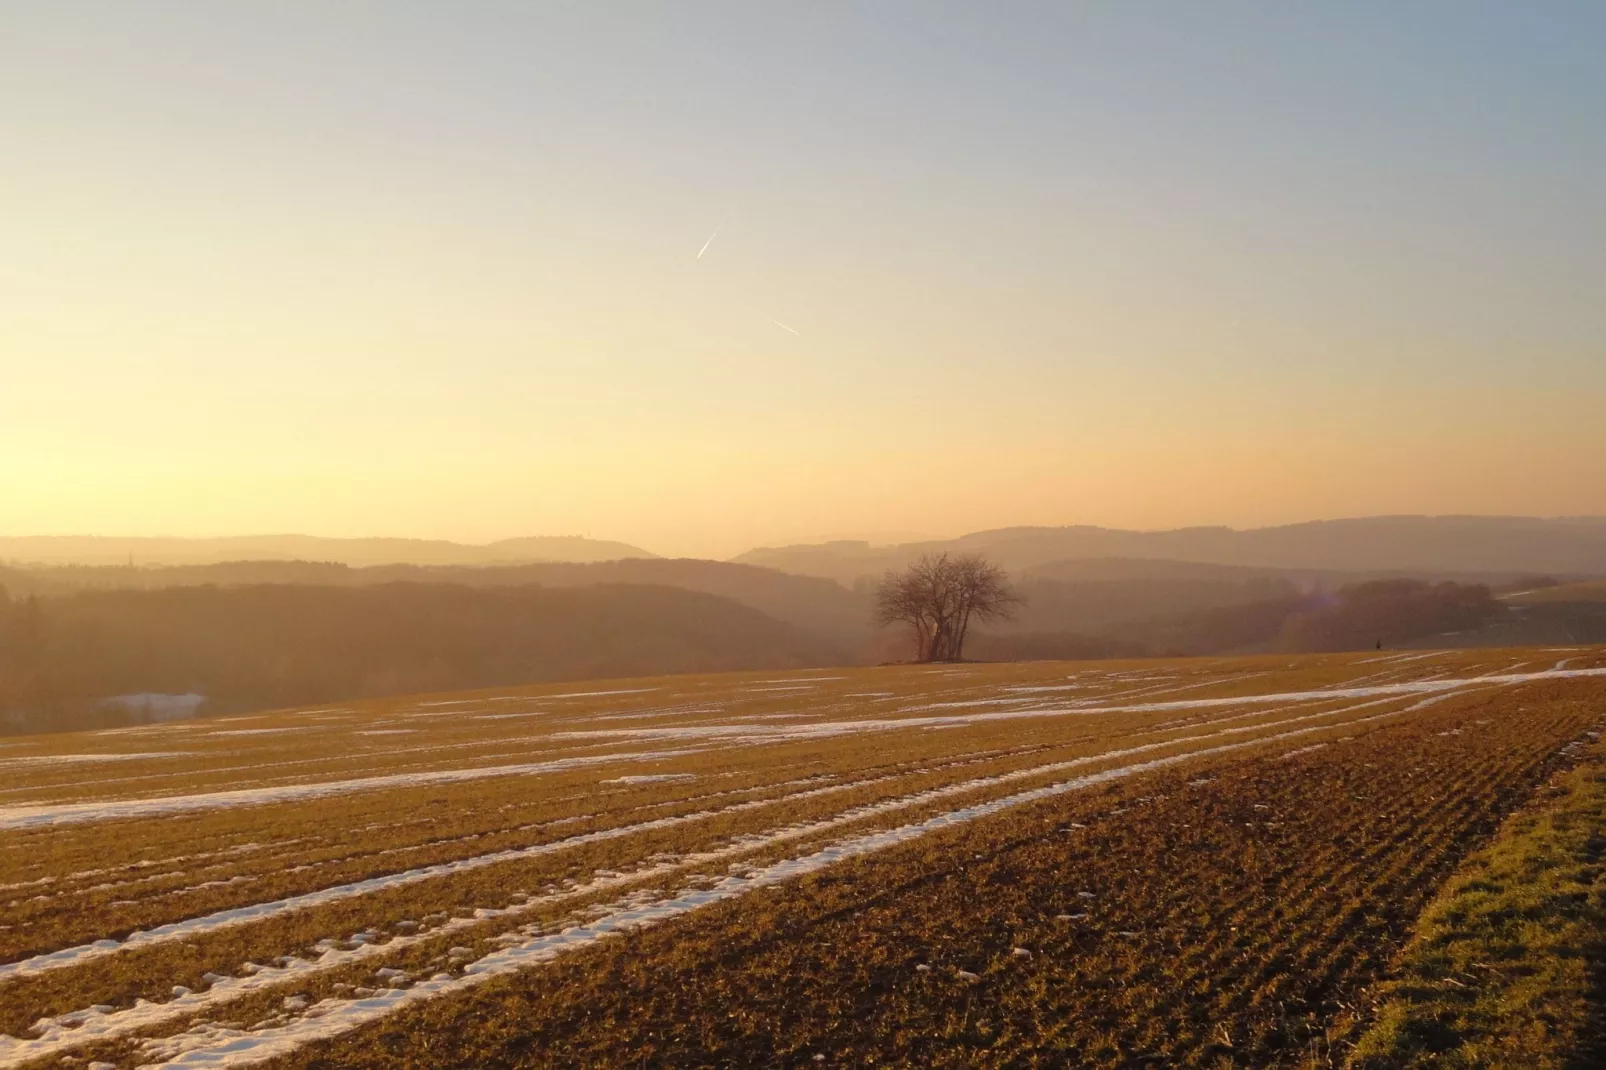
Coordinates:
939 595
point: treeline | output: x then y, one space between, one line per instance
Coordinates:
1388 612
277 645
819 605
1354 617
68 645
1102 606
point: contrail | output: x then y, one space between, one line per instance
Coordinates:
712 236
781 325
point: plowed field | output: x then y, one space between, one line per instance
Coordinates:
1196 862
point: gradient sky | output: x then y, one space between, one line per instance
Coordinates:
431 269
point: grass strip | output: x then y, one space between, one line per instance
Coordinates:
1504 968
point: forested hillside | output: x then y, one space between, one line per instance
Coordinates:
254 635
1395 612
268 646
817 605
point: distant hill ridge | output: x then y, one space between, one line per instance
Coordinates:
1442 545
165 550
1573 546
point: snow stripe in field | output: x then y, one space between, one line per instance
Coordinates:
824 729
651 778
224 919
208 1046
75 956
598 694
740 733
21 817
83 1027
36 760
1400 658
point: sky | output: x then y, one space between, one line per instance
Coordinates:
705 276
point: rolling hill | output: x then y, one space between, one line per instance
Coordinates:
1448 546
275 645
161 550
816 605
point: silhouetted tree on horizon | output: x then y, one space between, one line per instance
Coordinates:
939 595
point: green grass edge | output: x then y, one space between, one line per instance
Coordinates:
1499 972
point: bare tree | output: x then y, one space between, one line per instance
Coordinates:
939 595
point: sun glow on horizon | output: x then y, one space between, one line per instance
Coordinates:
742 277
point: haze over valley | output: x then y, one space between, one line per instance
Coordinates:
240 635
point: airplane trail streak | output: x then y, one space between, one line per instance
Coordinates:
781 325
711 238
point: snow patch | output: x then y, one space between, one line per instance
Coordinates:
13 817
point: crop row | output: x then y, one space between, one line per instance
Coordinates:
1238 917
145 973
167 870
287 850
